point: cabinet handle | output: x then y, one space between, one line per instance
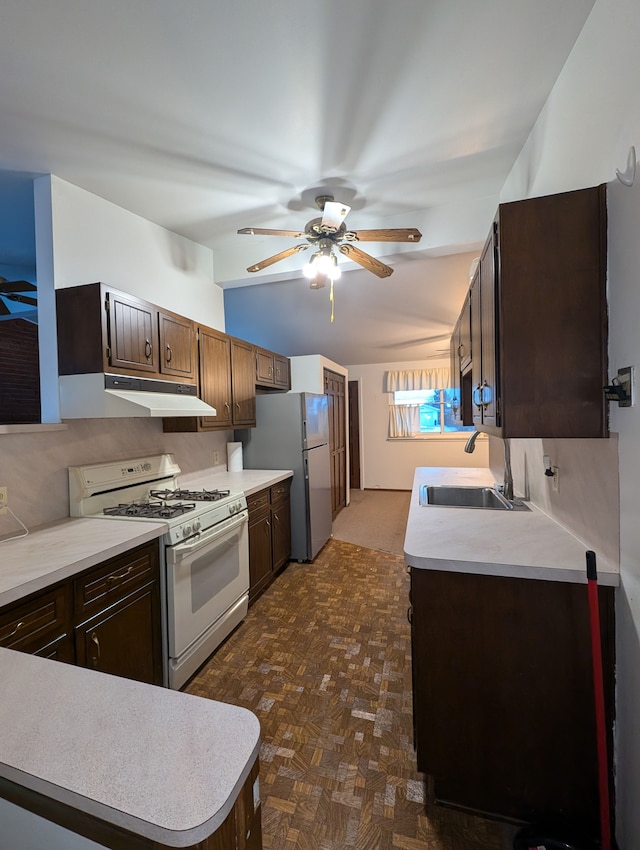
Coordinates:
410 614
267 523
120 576
94 639
276 518
485 386
227 407
16 630
477 396
238 406
460 350
169 354
148 348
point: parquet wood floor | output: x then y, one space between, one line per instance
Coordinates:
324 660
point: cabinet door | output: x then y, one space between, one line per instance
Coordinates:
215 377
280 524
243 383
282 372
483 305
260 559
33 626
488 319
456 381
177 346
464 340
133 333
264 367
124 639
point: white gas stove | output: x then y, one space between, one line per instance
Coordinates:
205 550
148 489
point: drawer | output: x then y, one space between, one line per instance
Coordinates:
280 491
35 624
258 500
102 587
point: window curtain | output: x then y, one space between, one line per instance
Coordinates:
404 419
417 379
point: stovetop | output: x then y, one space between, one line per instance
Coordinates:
148 489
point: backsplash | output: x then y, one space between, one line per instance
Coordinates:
34 465
587 502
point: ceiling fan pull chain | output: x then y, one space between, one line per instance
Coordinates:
331 298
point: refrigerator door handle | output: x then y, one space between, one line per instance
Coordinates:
306 468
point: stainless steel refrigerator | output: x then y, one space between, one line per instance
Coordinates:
292 432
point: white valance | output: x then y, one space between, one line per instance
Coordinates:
416 379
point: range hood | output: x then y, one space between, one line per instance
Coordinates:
101 396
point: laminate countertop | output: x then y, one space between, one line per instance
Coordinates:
521 544
59 550
160 763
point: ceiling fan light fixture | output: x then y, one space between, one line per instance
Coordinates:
310 269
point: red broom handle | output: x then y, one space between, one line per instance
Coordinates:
598 688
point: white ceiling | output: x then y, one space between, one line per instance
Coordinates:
206 116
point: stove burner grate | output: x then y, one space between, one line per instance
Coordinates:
149 510
191 495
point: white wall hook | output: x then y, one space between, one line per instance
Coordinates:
629 175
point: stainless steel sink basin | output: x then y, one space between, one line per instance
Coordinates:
447 496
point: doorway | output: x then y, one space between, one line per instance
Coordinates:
334 387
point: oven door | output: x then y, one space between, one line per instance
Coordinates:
206 575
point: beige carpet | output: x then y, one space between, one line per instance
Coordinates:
376 519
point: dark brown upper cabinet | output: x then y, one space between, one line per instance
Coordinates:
226 381
101 329
539 320
272 370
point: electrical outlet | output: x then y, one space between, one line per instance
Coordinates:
216 458
4 499
556 478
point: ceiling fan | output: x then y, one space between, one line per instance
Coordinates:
326 233
17 292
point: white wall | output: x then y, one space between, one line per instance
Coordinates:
307 372
390 464
584 132
81 238
95 240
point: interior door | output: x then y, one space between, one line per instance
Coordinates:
334 387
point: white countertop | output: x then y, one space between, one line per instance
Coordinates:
161 763
522 544
54 552
248 480
57 551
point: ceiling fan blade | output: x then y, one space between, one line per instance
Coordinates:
333 214
366 260
389 234
22 299
16 286
261 231
277 257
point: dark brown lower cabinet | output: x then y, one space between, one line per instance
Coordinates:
106 618
503 693
269 535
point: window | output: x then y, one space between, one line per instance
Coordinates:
419 413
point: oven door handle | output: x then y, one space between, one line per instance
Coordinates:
182 550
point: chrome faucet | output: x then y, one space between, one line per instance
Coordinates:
507 487
471 442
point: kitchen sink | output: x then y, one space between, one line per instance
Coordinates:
448 496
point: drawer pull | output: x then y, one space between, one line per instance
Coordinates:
16 629
169 354
120 576
94 639
148 348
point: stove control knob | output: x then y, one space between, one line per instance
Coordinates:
186 531
197 525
